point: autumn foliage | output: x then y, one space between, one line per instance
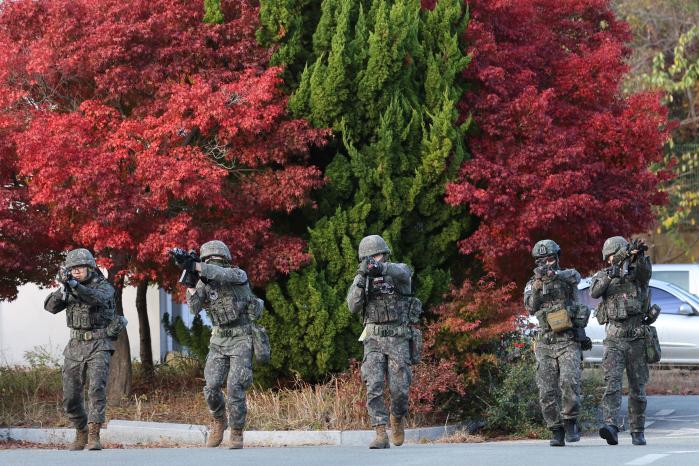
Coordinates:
558 153
469 326
136 127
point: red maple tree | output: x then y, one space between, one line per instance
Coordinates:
143 128
558 152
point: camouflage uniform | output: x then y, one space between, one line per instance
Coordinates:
225 293
558 354
386 313
622 309
89 310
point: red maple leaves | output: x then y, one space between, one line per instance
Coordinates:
136 127
558 152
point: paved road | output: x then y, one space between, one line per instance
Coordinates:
672 433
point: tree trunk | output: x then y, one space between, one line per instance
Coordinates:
144 330
119 384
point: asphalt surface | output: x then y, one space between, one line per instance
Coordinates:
672 433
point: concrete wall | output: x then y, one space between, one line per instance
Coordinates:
25 325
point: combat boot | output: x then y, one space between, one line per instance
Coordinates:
557 437
637 438
93 436
236 439
610 433
218 427
381 440
572 430
80 439
397 430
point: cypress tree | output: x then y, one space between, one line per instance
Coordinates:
385 75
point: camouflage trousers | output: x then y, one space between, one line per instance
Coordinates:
96 367
386 357
558 372
235 362
620 354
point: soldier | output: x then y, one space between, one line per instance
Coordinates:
88 300
550 295
224 292
623 287
381 294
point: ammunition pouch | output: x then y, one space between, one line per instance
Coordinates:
227 310
559 320
652 344
88 335
83 316
581 315
651 315
601 313
384 309
116 326
415 346
414 310
621 306
260 344
255 308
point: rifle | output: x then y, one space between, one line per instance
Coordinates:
183 259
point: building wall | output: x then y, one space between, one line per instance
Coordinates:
25 325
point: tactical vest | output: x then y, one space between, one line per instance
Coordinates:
555 294
227 305
83 316
385 303
623 299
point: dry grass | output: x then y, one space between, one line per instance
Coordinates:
462 436
664 380
32 398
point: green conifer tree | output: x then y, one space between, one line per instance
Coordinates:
385 76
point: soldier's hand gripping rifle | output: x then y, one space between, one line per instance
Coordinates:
187 262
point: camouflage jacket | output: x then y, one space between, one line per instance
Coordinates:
225 294
88 306
388 295
542 295
624 300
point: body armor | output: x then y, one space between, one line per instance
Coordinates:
83 316
386 305
228 305
555 295
624 299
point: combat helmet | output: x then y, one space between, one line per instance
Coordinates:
80 257
613 245
214 248
544 248
372 245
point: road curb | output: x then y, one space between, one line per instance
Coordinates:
142 433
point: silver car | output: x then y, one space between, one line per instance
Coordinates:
678 324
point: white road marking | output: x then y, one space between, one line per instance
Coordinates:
649 423
684 451
648 459
683 432
664 412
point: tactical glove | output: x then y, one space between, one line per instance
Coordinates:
363 268
614 271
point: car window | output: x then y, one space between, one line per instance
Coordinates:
678 277
667 302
